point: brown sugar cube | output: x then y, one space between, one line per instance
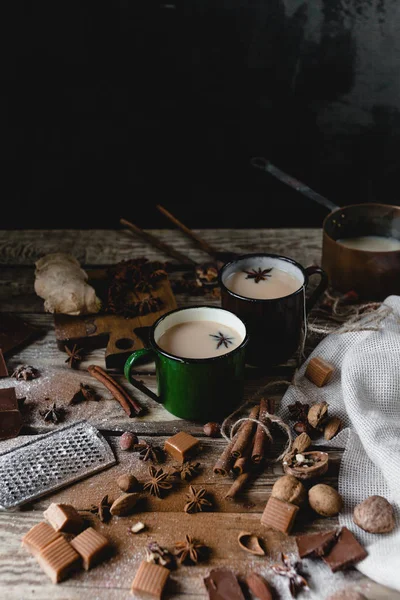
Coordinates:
279 515
319 371
38 537
180 445
64 517
345 553
91 546
58 560
150 580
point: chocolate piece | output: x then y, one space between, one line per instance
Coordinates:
3 366
38 537
259 587
316 544
64 517
10 416
346 552
221 584
180 445
14 332
279 515
150 579
92 546
58 560
319 371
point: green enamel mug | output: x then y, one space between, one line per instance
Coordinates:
198 389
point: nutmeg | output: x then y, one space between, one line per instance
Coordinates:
375 515
325 500
318 414
332 427
212 429
289 489
128 483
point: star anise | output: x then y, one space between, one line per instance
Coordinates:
258 275
25 372
149 452
54 413
290 569
222 339
85 392
159 482
187 470
189 550
196 500
159 556
74 355
298 411
102 511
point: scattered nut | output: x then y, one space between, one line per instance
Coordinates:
375 515
301 443
289 489
128 483
325 500
137 527
212 429
250 543
306 465
318 414
124 505
332 428
127 440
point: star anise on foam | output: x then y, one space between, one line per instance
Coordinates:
196 500
189 550
74 355
25 372
290 569
149 452
85 392
187 470
221 339
53 414
259 274
159 482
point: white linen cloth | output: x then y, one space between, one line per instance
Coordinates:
365 392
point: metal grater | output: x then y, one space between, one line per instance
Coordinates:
53 461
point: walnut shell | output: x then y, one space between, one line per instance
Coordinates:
289 489
375 515
319 467
325 500
317 414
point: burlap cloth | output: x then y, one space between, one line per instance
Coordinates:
365 392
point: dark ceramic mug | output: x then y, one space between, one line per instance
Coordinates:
274 325
200 389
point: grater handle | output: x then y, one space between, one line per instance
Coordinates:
134 358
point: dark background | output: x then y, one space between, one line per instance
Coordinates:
111 108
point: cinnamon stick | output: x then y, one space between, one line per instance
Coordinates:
237 485
260 439
128 404
225 461
245 433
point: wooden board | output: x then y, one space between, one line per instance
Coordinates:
120 335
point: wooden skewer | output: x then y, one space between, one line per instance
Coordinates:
151 239
193 236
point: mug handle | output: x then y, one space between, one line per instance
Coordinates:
131 361
321 287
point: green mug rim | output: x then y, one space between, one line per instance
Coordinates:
181 359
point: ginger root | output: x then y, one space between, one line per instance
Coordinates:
61 282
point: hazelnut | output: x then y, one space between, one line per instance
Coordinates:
212 429
289 489
128 483
375 515
127 440
300 427
318 414
325 500
306 465
332 428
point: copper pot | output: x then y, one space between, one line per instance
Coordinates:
373 275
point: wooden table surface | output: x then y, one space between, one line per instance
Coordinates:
20 576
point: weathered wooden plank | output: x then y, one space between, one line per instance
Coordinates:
103 247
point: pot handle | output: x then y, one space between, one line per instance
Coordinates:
321 287
131 361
